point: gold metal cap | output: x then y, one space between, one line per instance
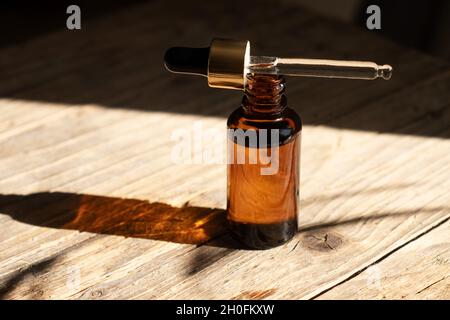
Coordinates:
228 60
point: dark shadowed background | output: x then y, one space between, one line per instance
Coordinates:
121 44
424 25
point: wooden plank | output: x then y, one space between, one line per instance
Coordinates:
98 130
420 270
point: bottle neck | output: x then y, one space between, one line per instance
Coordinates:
264 94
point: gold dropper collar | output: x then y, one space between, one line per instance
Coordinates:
227 63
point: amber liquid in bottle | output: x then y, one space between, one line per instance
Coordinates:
263 196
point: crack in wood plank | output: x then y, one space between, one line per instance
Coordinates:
430 285
393 251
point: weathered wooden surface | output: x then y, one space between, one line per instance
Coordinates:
91 205
420 270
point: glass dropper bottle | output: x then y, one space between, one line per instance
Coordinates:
264 134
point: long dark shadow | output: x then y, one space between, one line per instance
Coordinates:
201 226
18 276
150 220
117 216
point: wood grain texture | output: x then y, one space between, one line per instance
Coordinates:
420 270
92 206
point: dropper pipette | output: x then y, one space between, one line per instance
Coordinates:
321 68
226 62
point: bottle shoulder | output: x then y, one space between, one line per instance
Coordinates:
287 119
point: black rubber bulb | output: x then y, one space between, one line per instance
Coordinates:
187 60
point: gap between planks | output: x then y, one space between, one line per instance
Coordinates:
386 255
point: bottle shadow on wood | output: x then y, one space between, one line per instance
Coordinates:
119 216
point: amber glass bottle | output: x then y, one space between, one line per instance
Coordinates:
264 165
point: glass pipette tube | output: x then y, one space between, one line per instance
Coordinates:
321 68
